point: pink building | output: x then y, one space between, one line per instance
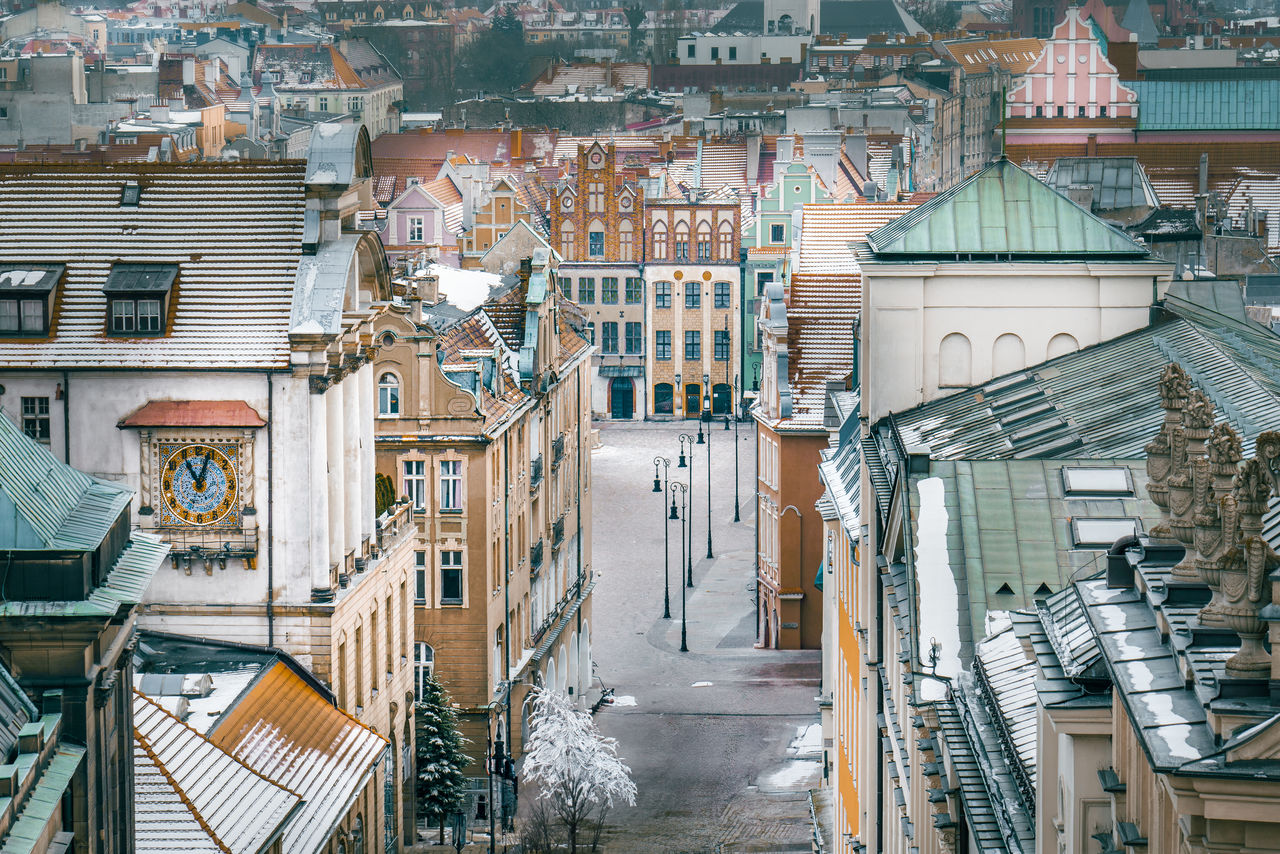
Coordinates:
1072 80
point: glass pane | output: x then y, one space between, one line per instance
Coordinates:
451 585
1101 533
1113 481
122 315
8 315
149 315
32 315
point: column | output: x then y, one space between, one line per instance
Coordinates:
334 477
353 475
368 459
317 470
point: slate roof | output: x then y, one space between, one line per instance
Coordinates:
306 66
1102 402
1002 211
1118 182
1208 105
234 230
287 732
976 57
193 796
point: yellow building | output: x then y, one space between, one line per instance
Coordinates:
483 425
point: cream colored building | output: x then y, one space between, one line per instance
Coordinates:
484 424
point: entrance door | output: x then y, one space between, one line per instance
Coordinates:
692 400
622 395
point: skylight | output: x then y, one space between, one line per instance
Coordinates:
1101 533
1096 481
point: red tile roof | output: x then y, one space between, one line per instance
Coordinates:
194 413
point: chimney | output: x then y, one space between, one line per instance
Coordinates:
159 113
855 146
1204 173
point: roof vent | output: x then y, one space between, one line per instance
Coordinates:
130 195
1005 590
1044 590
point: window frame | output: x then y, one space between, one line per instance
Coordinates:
633 290
609 290
586 290
423 664
662 295
418 223
609 337
595 244
777 233
450 477
389 404
413 482
722 343
36 422
633 337
451 563
662 345
693 345
722 295
693 295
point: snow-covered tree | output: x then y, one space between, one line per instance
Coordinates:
576 769
441 785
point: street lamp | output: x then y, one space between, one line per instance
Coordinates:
706 416
675 514
661 487
737 515
686 443
497 764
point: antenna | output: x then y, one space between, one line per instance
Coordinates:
1004 118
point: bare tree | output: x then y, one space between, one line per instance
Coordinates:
576 769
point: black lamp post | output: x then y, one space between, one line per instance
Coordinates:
683 490
706 417
737 515
497 759
686 444
660 486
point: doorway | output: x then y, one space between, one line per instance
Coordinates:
692 400
622 398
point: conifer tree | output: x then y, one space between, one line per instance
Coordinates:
441 785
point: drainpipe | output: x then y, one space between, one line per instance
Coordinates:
271 519
66 417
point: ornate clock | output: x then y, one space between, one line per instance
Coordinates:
596 158
566 202
199 484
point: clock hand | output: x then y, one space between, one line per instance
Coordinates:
204 469
187 464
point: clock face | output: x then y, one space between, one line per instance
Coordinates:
200 484
625 203
566 201
596 158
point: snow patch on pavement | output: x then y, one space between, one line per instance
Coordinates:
701 685
808 741
625 700
794 774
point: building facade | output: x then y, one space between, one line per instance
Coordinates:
495 215
239 382
496 465
597 226
692 284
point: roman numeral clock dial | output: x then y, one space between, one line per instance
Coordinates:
199 484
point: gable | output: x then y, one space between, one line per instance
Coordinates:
1002 212
415 196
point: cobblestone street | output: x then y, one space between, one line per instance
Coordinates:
709 733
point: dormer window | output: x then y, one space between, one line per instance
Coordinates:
138 298
26 298
130 195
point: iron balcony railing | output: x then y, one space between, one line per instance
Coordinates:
535 557
557 532
535 473
557 450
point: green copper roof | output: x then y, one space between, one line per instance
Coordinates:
1002 213
47 505
1238 104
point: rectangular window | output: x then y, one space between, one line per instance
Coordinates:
22 316
777 233
689 52
416 229
595 243
451 486
704 248
634 337
692 295
662 295
35 418
662 344
609 337
722 345
715 54
635 290
586 291
722 295
763 278
420 577
733 53
566 286
682 248
148 315
415 483
124 315
609 290
591 332
450 578
692 345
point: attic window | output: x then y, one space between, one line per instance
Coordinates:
130 195
26 298
1078 481
138 298
1044 589
1101 533
1004 590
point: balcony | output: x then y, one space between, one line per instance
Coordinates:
557 533
535 558
557 451
557 610
393 527
535 474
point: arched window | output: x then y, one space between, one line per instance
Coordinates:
1061 344
682 241
389 395
626 241
424 664
659 241
704 242
1008 355
566 241
662 397
726 250
785 25
357 835
955 361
